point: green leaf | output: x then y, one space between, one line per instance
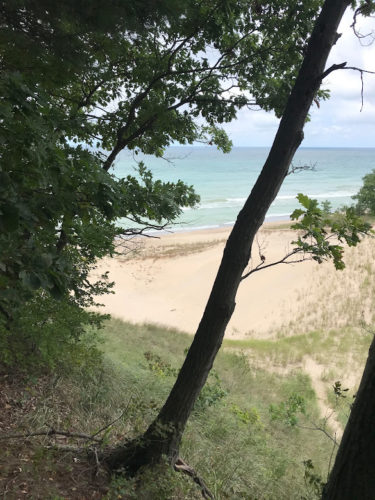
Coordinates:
304 200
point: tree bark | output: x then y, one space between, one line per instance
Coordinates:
164 434
352 476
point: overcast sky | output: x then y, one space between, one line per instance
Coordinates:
339 122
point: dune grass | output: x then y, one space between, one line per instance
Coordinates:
138 250
232 441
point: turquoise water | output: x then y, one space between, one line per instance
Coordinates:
224 181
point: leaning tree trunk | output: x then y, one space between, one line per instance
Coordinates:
164 434
353 476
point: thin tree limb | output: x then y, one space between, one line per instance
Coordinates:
284 260
51 432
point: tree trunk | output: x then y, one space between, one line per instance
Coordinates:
353 475
164 434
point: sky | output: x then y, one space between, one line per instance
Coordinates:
339 122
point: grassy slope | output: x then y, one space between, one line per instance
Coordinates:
233 443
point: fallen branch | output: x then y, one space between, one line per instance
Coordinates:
51 432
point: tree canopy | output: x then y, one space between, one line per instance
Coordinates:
80 83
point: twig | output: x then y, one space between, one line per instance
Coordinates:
113 421
321 429
284 260
360 36
97 462
67 448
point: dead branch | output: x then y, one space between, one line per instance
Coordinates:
295 169
181 466
352 68
334 67
69 449
51 432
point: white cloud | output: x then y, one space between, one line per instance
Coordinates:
339 121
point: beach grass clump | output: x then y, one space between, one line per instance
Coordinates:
139 250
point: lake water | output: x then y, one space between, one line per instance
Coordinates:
223 181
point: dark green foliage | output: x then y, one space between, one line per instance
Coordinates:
323 235
50 334
159 482
338 390
78 84
211 394
366 195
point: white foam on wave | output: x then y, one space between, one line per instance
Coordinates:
238 202
332 194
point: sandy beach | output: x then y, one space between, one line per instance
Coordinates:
167 281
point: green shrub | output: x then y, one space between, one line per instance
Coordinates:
46 333
287 410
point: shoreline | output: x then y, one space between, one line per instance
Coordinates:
272 219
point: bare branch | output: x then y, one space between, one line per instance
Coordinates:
353 68
284 260
321 429
147 226
359 11
334 67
